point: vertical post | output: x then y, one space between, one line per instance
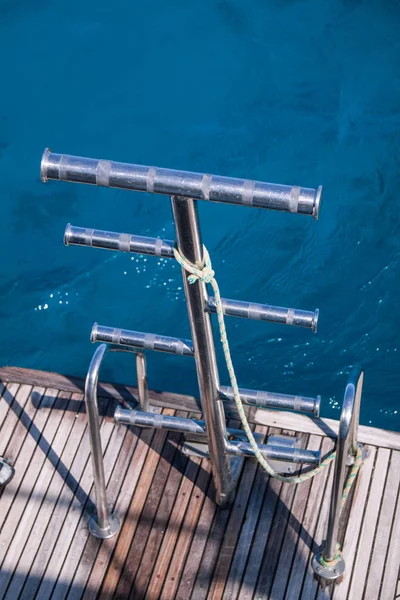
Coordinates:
331 568
104 524
190 245
143 390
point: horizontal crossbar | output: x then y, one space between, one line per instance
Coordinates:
199 186
262 399
138 339
196 427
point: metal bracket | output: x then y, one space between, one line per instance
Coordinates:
6 472
328 574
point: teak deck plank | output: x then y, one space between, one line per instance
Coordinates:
365 542
354 526
174 543
288 552
126 512
383 529
391 572
308 528
34 520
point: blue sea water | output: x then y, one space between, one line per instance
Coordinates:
302 92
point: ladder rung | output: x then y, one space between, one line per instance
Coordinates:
196 427
262 399
170 182
138 339
121 242
265 312
295 455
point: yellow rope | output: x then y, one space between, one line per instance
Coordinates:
206 274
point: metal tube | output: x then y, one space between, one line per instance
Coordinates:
143 390
122 242
265 312
157 421
272 400
197 427
138 339
104 524
191 246
148 419
346 443
186 184
295 455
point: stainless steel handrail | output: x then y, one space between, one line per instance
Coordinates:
104 524
346 448
198 186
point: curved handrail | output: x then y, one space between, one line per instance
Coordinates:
346 449
104 524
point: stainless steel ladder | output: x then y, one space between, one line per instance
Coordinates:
225 448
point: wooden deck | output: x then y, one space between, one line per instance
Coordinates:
174 542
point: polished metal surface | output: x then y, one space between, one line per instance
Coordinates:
144 341
143 388
6 472
346 447
272 400
194 427
330 574
191 246
121 242
293 455
104 524
346 444
186 184
265 312
139 418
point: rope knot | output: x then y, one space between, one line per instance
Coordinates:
204 273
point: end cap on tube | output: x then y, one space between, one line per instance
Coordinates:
314 323
317 407
44 165
317 203
67 234
93 333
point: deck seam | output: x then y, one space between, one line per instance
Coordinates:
68 509
82 519
45 466
158 543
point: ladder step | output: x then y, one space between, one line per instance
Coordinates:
236 447
144 341
262 399
121 242
200 186
265 312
